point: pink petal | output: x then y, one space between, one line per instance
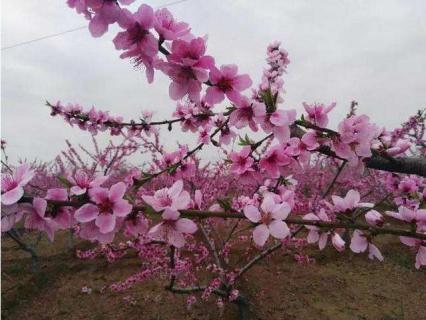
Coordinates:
252 213
117 191
76 190
157 231
214 95
98 195
313 236
411 242
322 240
279 229
24 174
86 213
175 189
40 206
281 211
268 204
186 226
260 234
352 198
338 242
145 16
421 257
242 82
105 223
229 71
234 96
177 90
97 26
374 252
182 202
175 238
358 243
57 194
12 196
98 181
170 214
121 208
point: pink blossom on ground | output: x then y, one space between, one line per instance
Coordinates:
12 185
226 81
270 219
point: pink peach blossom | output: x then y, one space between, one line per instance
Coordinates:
12 185
173 228
226 81
270 220
82 182
109 206
349 202
174 198
241 161
37 219
360 243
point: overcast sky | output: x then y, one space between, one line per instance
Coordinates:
340 50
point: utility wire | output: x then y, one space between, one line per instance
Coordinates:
75 29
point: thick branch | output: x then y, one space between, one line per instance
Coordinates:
408 165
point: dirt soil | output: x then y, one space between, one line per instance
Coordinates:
337 286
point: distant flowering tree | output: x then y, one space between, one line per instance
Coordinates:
291 180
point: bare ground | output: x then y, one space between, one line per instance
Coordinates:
337 286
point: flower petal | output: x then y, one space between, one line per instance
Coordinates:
121 208
260 234
105 223
279 229
117 191
252 213
86 213
185 225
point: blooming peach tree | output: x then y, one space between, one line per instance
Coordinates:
285 180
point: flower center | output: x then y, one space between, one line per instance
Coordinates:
266 218
224 84
136 33
105 207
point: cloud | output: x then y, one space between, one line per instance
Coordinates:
372 52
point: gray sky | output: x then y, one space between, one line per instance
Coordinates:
340 50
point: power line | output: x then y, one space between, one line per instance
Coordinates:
75 29
43 38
